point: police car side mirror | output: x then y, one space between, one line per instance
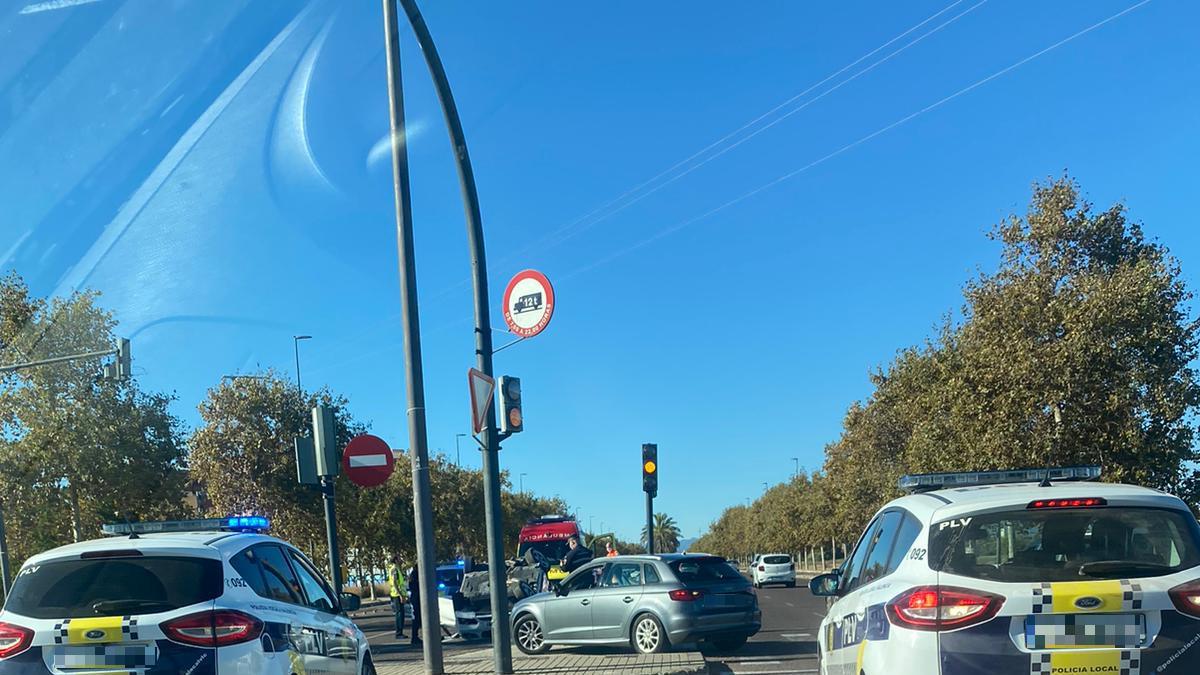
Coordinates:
825 585
350 602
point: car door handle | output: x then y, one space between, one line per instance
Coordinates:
627 599
585 602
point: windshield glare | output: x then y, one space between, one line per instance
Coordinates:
1041 546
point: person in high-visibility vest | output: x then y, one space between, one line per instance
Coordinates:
398 590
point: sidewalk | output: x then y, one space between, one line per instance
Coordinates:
561 661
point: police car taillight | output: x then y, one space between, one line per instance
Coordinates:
1084 503
214 628
14 639
942 608
1187 598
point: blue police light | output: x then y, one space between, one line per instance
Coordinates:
441 587
937 481
230 524
462 563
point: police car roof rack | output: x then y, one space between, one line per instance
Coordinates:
254 524
926 482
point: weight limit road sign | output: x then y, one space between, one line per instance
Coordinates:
528 303
368 461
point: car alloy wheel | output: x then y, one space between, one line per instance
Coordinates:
648 635
529 636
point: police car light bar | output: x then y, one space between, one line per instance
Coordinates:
937 481
230 524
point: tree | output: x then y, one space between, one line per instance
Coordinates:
666 534
1078 349
77 450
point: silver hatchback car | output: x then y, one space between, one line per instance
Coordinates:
648 601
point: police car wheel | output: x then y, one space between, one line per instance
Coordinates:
529 636
648 635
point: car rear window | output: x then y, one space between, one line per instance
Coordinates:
113 586
704 569
1031 546
777 560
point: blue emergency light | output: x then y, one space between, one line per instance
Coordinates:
252 524
938 481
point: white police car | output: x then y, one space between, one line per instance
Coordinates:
1013 572
201 597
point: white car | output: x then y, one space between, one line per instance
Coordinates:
774 568
200 597
992 573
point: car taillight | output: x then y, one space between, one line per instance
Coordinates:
1079 503
762 568
942 608
14 639
1187 598
684 595
215 628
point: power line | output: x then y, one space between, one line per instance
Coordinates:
791 174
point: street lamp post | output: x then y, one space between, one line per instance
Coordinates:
296 345
489 439
523 474
414 377
796 473
457 452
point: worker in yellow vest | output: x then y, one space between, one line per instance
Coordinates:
398 590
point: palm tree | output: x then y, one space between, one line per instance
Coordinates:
666 534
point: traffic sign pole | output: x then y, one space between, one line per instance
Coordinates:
414 378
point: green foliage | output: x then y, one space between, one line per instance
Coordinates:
666 534
76 451
1076 350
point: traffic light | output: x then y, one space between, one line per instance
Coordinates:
124 360
650 468
511 419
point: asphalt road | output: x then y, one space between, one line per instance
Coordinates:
787 643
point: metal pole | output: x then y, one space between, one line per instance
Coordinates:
457 451
5 572
796 473
649 523
296 343
57 359
335 563
422 502
501 640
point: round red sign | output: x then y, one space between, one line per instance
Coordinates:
368 461
528 303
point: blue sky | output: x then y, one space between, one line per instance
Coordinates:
220 172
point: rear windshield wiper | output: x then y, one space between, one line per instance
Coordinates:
122 606
1109 567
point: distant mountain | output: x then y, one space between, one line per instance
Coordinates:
685 544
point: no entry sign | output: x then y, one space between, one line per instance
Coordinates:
528 303
368 461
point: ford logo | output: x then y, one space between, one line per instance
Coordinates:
1088 602
94 634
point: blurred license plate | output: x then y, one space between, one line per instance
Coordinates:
730 600
1064 631
106 657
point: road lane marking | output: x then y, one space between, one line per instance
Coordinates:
789 636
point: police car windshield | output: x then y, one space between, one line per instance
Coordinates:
104 587
1030 546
